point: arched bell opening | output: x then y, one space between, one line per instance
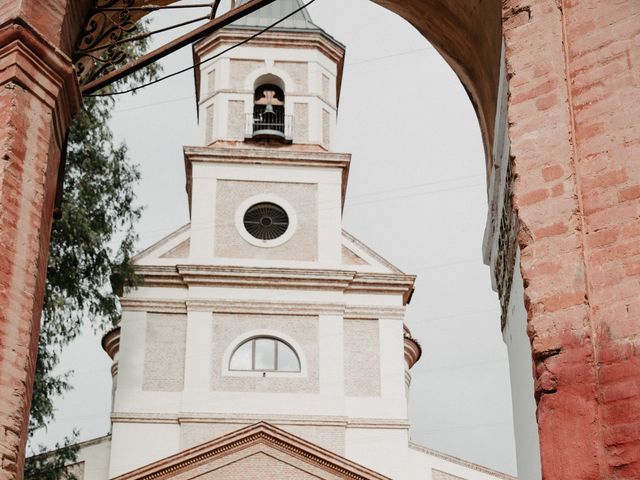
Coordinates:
268 120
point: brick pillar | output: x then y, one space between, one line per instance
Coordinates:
574 86
38 96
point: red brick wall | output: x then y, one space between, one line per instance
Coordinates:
38 96
22 223
574 69
603 54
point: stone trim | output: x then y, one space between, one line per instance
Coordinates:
376 256
235 91
235 418
381 423
265 156
259 433
153 305
294 278
24 57
412 348
265 308
274 39
362 312
461 462
79 445
161 242
111 342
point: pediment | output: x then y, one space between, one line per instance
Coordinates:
174 246
257 452
359 256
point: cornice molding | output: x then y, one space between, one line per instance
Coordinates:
363 312
153 305
360 312
266 308
235 418
460 461
260 433
272 39
290 278
28 60
266 156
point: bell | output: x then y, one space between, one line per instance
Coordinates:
269 108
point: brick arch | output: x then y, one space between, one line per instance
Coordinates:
574 127
468 35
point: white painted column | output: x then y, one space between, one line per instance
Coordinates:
197 365
329 221
202 215
331 355
391 359
133 327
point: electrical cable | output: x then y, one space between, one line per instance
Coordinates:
186 69
360 62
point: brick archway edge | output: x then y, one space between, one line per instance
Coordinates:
574 125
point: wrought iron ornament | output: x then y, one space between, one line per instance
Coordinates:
98 51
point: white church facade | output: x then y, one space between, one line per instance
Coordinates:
265 341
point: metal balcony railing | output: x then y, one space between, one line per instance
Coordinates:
275 124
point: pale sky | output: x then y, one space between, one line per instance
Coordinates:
416 195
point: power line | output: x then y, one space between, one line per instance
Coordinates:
349 64
187 69
211 223
148 105
391 55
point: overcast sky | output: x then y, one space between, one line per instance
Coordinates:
416 195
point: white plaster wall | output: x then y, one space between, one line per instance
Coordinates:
137 444
422 465
203 213
383 450
520 371
95 457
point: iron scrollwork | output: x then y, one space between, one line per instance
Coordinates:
97 51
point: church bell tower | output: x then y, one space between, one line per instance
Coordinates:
263 310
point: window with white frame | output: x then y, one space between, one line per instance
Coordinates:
264 354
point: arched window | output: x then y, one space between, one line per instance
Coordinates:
268 110
264 354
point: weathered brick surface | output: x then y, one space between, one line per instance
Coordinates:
35 107
574 129
25 159
575 143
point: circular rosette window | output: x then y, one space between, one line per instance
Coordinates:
266 221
